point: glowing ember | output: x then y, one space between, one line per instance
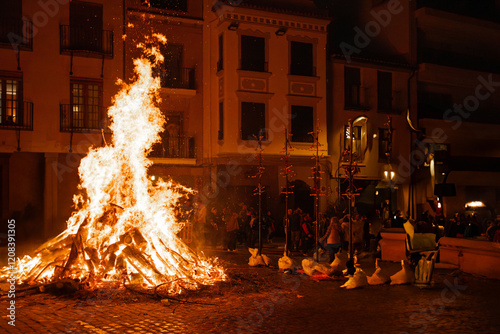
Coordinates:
125 226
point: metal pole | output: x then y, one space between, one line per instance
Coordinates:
316 187
351 250
260 193
286 192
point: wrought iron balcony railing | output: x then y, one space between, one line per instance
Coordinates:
84 41
83 118
21 119
183 78
16 33
174 147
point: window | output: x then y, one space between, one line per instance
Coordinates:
253 53
220 62
86 31
356 139
171 72
302 120
384 144
10 19
352 85
85 105
301 59
220 135
10 101
253 120
384 91
179 5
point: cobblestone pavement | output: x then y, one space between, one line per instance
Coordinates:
262 300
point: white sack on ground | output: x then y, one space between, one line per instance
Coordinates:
356 281
378 277
286 263
405 276
308 265
258 260
338 265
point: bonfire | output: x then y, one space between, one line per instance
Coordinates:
124 228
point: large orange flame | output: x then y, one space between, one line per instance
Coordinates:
125 226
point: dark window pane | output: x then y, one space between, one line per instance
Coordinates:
383 144
302 124
220 135
10 19
384 91
180 5
171 74
85 26
253 119
301 59
220 62
253 53
352 80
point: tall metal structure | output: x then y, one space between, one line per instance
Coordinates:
316 177
351 170
287 173
260 188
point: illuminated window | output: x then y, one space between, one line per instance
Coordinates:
86 105
10 101
356 139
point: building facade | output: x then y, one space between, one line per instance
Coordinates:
59 63
443 56
266 72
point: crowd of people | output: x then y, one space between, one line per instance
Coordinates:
227 226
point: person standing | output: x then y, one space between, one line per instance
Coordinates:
200 222
232 231
332 240
270 222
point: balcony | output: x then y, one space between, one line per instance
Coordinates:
181 79
16 33
83 118
21 120
255 66
180 147
82 41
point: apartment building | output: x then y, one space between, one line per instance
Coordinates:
179 154
371 82
59 61
265 70
443 59
457 50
